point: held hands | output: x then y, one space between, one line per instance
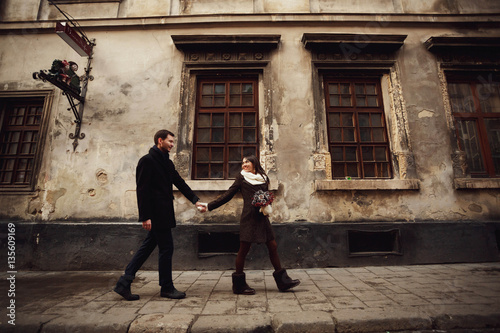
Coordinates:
202 206
146 225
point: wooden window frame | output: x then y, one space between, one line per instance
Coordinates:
229 165
357 143
45 99
479 116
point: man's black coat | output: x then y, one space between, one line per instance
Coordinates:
155 175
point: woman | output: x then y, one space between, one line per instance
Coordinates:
254 225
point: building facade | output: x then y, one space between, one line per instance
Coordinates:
377 121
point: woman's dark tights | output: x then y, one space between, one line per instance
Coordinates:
272 247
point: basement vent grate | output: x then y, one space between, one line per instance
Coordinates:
217 243
372 243
497 235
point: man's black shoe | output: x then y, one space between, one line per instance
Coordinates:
125 293
174 294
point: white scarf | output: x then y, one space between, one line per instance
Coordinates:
253 178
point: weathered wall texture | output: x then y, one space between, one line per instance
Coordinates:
136 90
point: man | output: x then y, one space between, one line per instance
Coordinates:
155 175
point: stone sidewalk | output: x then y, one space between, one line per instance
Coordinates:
426 298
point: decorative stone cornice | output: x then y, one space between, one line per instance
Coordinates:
189 43
352 43
463 44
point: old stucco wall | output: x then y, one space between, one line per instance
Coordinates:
29 10
136 90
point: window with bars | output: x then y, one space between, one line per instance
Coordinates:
357 133
226 127
19 136
475 107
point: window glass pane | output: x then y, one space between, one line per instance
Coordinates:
349 135
247 151
218 135
235 88
345 88
365 134
202 154
376 120
360 89
204 120
202 171
217 154
360 101
234 100
364 120
207 89
371 89
346 100
12 149
493 129
338 170
378 135
20 177
206 101
369 170
350 154
216 171
203 135
220 88
372 101
367 153
25 148
235 119
235 154
380 154
247 100
334 100
337 154
249 135
489 97
249 119
334 119
234 135
470 142
218 120
333 89
220 101
461 98
347 119
234 169
335 135
352 170
248 88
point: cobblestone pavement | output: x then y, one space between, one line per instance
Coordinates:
424 298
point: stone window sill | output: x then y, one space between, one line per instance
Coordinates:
217 185
379 184
476 183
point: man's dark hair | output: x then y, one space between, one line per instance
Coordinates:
162 134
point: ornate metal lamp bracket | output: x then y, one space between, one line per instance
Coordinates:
78 113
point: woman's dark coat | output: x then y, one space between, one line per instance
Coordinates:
254 226
155 175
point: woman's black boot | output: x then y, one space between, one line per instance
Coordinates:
240 285
283 281
122 288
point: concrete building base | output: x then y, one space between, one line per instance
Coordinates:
110 246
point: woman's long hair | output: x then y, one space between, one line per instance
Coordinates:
258 168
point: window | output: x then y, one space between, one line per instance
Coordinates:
19 137
357 134
225 126
475 106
